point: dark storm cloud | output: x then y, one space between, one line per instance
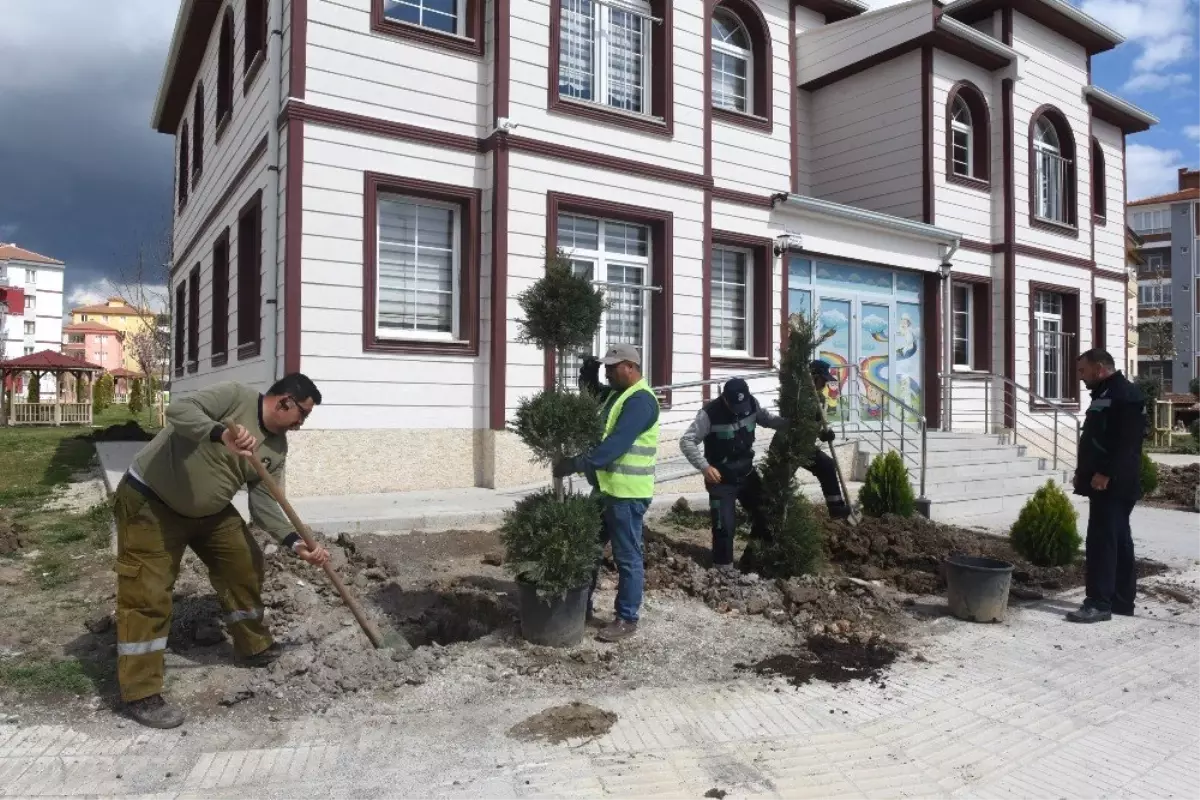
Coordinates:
83 177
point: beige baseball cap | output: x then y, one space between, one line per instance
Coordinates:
622 352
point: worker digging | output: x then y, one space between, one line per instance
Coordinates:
177 494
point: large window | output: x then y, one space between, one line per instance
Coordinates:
220 300
604 54
1055 331
448 24
1099 184
732 60
732 301
181 182
193 318
962 326
967 133
198 135
421 260
1154 295
1151 221
960 137
179 320
1052 171
249 278
439 15
255 33
225 71
616 256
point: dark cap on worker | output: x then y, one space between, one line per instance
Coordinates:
737 395
821 367
622 352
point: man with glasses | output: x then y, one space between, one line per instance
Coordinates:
177 494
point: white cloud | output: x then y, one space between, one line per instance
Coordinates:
1192 132
1163 29
97 292
1151 171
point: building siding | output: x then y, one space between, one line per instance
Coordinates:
965 209
1110 237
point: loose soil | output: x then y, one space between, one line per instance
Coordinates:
1176 487
830 660
908 553
563 723
130 431
10 536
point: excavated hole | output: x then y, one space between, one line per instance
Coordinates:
445 617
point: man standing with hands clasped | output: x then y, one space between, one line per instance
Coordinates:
1109 474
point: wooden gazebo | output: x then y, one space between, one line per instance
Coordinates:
13 411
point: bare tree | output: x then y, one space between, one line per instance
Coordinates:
1157 333
145 285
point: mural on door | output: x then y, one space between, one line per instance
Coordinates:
869 330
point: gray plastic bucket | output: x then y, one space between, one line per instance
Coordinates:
977 587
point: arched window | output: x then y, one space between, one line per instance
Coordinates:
225 69
741 64
1099 184
182 182
1052 169
255 32
198 134
967 135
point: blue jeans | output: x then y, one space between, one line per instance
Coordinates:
622 525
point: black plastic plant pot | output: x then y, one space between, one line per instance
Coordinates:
977 587
552 621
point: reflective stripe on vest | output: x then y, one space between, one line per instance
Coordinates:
631 475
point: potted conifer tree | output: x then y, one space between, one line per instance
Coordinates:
551 537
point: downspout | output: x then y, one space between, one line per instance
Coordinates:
271 206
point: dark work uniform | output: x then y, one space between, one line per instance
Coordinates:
728 444
1111 444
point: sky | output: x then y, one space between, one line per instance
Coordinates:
84 178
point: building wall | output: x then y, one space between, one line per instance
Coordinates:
966 209
1183 282
46 289
1110 236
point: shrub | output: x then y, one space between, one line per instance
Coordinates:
887 489
102 393
136 397
1148 474
562 310
553 544
557 423
1046 532
796 546
35 389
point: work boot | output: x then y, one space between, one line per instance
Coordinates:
154 712
1089 613
266 657
617 630
839 510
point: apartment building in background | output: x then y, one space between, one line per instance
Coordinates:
364 187
1169 282
119 316
31 305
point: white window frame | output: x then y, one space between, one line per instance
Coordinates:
1051 189
1048 322
601 31
31 277
599 261
748 288
30 302
967 313
746 55
460 11
403 334
30 328
29 350
966 128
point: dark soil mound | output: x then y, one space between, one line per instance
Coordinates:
908 553
125 432
1176 487
10 538
830 660
561 723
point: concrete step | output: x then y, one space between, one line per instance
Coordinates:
971 486
964 507
993 470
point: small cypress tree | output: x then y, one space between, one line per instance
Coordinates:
102 393
136 396
1148 474
1046 532
35 389
887 488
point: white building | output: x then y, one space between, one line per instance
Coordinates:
371 189
31 305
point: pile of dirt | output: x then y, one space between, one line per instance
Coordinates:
908 552
562 723
129 431
830 660
10 536
1176 487
813 603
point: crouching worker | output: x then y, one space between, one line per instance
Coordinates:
725 429
176 495
822 464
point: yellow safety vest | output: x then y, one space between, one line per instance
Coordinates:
631 475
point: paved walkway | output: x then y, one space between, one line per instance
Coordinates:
1033 707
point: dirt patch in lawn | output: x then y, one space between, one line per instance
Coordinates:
1176 487
908 553
129 431
10 536
563 723
830 660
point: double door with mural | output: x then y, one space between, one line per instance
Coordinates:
868 324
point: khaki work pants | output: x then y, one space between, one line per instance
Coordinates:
151 539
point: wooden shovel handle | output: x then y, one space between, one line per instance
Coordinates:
302 530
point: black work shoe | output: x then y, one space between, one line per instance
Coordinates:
1087 613
154 712
1124 612
617 630
265 657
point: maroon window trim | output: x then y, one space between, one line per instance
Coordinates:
1067 149
193 320
981 320
471 44
249 279
182 180
761 257
198 135
180 320
225 73
662 243
661 120
1070 315
220 300
1099 184
761 115
467 200
981 137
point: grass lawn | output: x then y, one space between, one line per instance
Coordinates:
62 569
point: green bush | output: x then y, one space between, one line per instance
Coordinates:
557 423
553 544
796 546
102 393
887 489
1046 532
1195 427
35 389
1148 475
136 397
562 311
